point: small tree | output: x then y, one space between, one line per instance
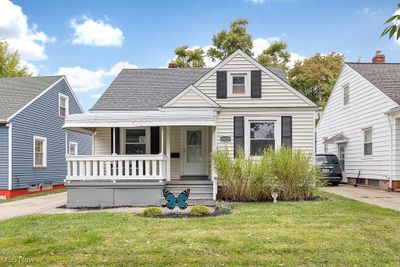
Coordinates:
226 42
10 62
276 55
187 58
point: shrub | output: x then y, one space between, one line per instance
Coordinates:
199 210
288 172
152 212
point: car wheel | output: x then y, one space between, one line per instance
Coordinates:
335 183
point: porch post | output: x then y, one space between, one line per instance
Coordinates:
162 140
213 149
168 152
113 152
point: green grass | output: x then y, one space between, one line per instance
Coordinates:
337 232
38 194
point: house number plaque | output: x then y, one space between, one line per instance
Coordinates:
225 138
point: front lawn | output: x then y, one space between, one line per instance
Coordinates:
336 232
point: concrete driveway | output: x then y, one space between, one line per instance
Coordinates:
32 205
384 199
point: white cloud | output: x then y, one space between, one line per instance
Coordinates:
366 11
25 38
95 33
84 80
256 1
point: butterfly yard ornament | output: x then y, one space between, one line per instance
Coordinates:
274 196
179 201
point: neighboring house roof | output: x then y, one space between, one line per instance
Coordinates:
149 89
17 92
384 76
338 138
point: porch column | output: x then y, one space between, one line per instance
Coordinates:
168 152
113 152
213 149
162 140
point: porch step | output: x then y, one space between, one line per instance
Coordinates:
201 191
190 182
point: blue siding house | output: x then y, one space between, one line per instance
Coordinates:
33 143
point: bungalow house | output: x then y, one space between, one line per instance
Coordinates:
361 123
156 129
33 143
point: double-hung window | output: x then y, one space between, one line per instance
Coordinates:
367 142
73 149
63 105
135 141
262 136
39 151
238 84
346 95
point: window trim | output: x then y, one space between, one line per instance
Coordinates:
44 139
62 96
363 142
344 87
277 133
76 149
247 83
123 138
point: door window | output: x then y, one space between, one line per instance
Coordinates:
194 146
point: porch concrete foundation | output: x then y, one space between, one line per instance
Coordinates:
93 194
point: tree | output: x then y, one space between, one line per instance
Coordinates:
393 30
187 58
226 42
10 62
316 76
275 55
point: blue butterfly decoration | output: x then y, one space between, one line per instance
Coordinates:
179 201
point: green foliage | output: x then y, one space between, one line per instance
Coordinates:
199 210
228 41
152 212
187 58
394 29
276 55
288 172
316 76
10 62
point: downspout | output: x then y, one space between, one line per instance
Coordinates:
390 154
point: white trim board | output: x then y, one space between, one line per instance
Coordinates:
262 68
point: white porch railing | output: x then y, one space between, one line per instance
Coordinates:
116 167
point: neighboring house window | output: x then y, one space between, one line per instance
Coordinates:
63 104
368 142
346 94
73 149
135 141
262 136
239 84
39 151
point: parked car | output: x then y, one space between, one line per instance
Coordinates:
330 166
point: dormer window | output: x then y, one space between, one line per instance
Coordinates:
239 84
63 105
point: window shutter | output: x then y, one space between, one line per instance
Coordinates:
238 133
256 84
155 140
117 140
286 131
221 84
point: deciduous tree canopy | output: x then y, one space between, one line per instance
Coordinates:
10 62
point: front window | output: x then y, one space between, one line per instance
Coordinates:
40 151
135 141
63 105
346 95
262 136
73 149
368 142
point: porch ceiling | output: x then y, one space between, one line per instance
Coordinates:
93 120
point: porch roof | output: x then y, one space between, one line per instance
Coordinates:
336 139
91 121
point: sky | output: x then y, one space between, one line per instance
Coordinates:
91 41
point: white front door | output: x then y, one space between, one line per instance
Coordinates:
194 144
342 159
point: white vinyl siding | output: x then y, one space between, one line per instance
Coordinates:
302 121
190 99
273 93
367 107
102 143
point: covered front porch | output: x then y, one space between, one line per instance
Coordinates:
143 151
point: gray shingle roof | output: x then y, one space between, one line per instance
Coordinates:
386 77
148 89
17 92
